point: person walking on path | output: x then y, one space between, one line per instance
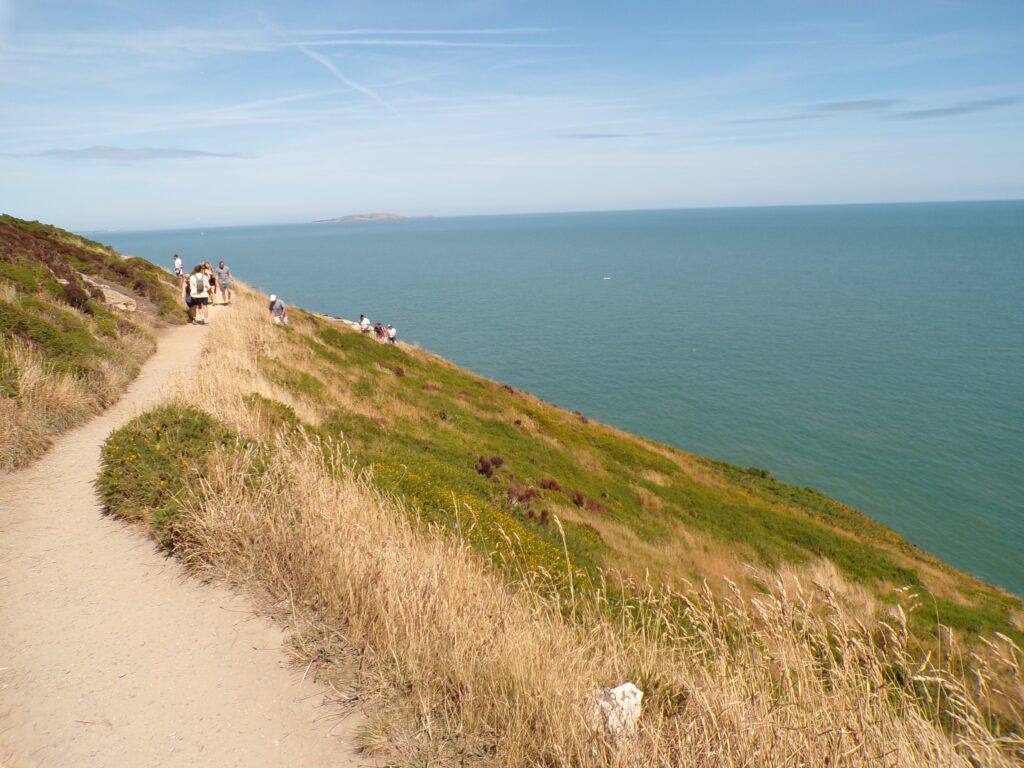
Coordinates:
179 268
224 282
211 280
392 334
199 292
186 296
278 310
364 324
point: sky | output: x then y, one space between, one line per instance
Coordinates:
131 114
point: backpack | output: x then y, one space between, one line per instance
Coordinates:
200 282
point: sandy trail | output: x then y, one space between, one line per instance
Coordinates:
110 655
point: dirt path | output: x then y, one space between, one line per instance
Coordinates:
110 655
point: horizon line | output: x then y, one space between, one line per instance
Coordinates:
421 217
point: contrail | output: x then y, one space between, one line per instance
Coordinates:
378 31
420 43
329 65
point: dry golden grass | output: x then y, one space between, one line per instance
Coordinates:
467 667
652 502
491 671
36 403
39 400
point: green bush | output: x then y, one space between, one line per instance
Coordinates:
155 461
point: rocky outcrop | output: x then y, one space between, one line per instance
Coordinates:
113 299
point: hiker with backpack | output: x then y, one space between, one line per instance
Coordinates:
197 295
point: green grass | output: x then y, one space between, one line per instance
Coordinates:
428 427
299 382
61 336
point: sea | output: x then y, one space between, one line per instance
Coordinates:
875 352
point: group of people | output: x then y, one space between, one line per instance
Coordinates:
383 333
202 285
199 289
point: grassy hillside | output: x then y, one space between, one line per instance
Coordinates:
493 558
64 354
502 465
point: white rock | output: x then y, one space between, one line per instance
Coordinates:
113 299
617 710
117 300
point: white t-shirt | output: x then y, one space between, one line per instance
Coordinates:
364 323
392 332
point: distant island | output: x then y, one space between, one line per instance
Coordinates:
358 217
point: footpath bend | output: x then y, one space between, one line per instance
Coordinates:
110 655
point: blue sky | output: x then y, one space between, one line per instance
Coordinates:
137 114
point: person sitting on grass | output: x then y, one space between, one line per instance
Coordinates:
199 294
224 282
278 310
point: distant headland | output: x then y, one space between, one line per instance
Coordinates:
360 217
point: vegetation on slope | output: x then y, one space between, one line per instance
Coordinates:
501 465
325 468
63 354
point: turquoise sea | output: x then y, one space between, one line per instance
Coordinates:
875 352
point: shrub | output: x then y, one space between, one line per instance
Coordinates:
550 484
519 494
585 502
150 463
485 467
76 296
